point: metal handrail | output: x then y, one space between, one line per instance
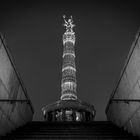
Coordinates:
125 100
121 100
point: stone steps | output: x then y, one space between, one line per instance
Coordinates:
100 130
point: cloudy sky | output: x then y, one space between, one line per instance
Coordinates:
104 34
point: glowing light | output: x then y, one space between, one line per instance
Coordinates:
68 96
68 37
68 67
69 34
68 54
68 86
78 116
44 112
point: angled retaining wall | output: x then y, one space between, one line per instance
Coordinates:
124 105
15 106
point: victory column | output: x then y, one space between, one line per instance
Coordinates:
69 107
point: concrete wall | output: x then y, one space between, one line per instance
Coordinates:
15 106
124 105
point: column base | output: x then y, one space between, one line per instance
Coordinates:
69 110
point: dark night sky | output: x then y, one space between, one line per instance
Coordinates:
104 34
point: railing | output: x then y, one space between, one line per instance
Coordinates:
124 100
